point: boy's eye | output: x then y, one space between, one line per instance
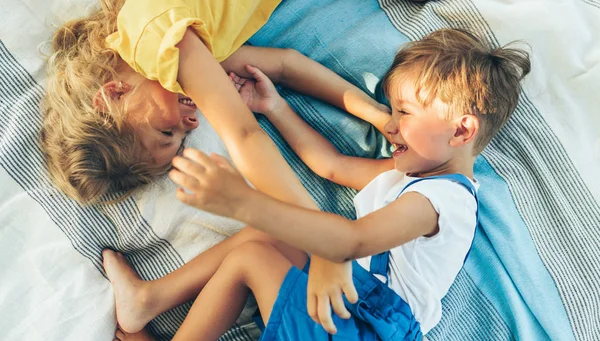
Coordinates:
402 112
167 133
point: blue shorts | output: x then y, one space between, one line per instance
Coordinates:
380 314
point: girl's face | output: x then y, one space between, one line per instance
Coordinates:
420 135
161 119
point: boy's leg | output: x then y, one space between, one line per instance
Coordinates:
138 301
256 266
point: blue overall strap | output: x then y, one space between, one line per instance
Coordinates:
379 263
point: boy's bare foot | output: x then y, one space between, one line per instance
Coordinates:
142 335
131 296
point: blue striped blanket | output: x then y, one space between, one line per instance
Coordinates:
533 273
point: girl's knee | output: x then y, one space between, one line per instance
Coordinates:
250 234
251 255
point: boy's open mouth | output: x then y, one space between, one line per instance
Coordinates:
187 102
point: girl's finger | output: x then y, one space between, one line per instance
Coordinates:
119 334
234 76
255 72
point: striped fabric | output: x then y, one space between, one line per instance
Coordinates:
533 273
89 229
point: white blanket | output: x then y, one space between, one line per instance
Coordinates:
52 285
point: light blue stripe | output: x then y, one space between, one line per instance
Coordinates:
506 267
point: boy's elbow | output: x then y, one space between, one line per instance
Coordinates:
350 249
289 60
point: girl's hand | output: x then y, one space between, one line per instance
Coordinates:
259 93
211 182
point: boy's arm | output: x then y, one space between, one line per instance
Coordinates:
218 188
321 156
294 70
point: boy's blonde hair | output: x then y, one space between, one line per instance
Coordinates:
470 77
89 152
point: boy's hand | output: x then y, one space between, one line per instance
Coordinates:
215 185
259 93
327 282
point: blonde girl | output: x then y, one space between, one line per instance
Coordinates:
114 112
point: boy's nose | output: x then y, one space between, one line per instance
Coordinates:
390 128
190 121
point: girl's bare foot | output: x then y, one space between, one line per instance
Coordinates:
142 335
131 295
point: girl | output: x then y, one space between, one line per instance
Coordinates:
115 113
112 123
450 94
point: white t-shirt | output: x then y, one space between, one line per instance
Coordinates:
422 270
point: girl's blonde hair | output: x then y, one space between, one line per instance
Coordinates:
463 72
89 152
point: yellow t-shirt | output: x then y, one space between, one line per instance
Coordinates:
148 31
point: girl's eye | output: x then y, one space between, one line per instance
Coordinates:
167 133
403 112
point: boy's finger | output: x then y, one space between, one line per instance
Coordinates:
185 198
199 157
188 166
350 292
311 307
324 310
184 180
337 303
222 161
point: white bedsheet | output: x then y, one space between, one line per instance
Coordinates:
50 287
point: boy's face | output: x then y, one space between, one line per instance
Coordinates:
420 135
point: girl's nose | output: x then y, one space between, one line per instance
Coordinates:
190 121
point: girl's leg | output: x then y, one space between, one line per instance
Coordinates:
142 335
138 301
255 266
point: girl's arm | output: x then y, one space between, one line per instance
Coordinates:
217 187
317 152
294 70
251 149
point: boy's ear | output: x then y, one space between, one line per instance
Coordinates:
467 127
112 91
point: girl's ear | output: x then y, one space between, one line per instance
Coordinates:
112 91
467 127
